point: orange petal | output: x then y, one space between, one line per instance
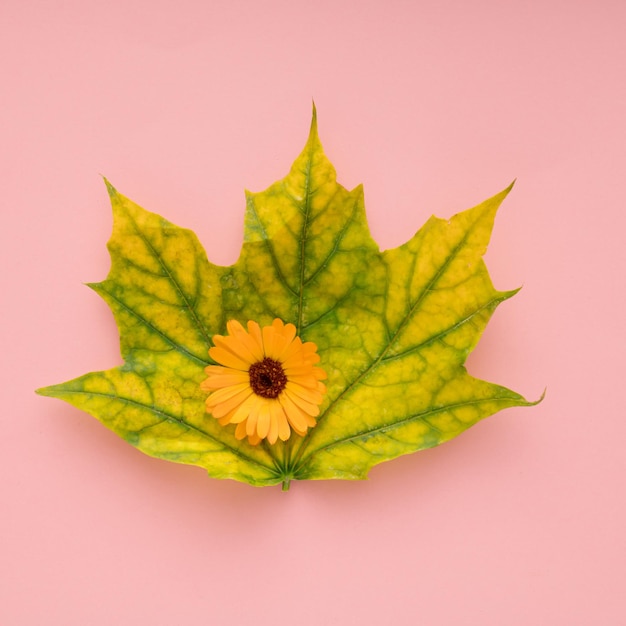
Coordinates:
306 381
269 341
285 334
224 421
225 357
233 326
284 432
309 394
247 344
240 414
288 331
292 354
240 431
304 370
255 332
263 422
272 434
293 413
306 407
254 440
253 417
227 405
225 393
219 376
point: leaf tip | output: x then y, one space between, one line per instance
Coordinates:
44 391
313 131
511 292
506 191
540 400
110 188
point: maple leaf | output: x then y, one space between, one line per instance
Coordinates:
393 329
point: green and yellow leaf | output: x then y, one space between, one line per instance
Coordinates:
393 329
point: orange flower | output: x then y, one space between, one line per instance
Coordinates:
267 382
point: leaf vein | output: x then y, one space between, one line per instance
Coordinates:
157 331
270 250
395 425
164 416
342 233
170 275
301 456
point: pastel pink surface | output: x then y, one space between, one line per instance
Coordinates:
434 106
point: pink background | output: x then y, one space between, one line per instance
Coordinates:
434 105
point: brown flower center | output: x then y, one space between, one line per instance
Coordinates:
267 378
